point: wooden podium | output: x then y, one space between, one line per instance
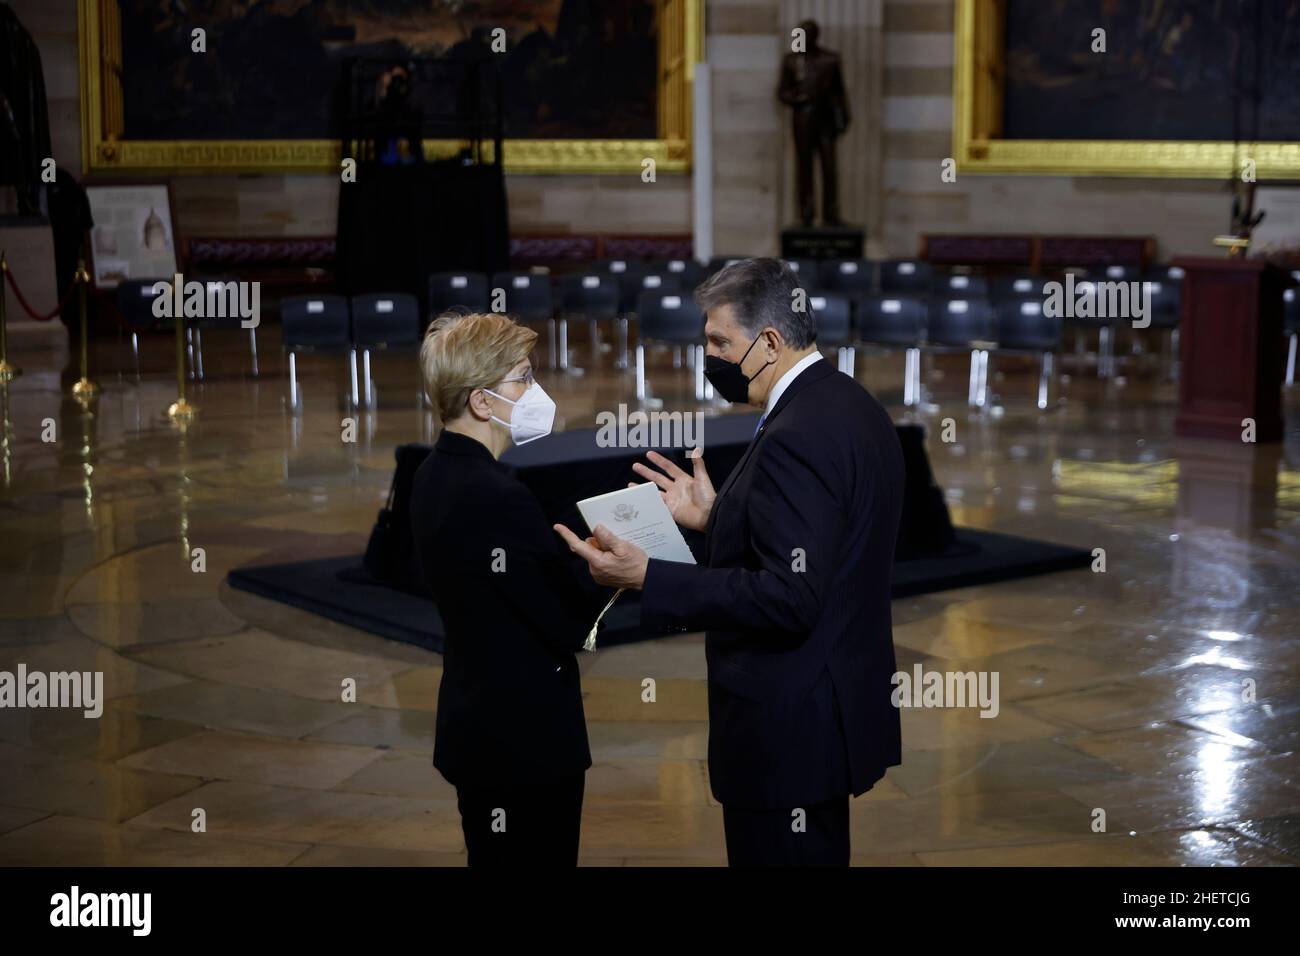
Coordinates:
1231 349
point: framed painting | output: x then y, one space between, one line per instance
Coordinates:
586 86
1167 88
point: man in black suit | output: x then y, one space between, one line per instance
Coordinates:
794 588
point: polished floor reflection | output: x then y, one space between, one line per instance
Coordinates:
1149 714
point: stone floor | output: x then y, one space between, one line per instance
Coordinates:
1127 692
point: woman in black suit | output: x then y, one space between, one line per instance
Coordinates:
510 731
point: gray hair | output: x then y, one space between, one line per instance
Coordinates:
761 293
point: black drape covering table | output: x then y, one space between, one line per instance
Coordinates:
397 224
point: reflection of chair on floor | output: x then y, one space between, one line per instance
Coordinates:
676 320
315 323
382 321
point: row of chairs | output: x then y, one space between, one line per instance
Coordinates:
1006 320
327 323
911 324
866 275
622 280
135 300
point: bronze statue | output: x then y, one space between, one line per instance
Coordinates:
812 84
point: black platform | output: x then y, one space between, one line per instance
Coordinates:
386 594
341 590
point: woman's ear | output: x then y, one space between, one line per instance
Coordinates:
479 405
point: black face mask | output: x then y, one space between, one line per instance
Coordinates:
728 378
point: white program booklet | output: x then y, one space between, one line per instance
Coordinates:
638 514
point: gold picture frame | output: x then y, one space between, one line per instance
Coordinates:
105 151
978 74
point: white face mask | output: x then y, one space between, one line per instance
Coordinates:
533 416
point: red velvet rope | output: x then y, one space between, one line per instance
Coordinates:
22 300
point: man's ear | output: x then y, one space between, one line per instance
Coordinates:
774 342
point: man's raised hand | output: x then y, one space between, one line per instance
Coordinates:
689 497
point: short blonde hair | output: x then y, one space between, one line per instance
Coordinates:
465 351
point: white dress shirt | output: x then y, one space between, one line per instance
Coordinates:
784 381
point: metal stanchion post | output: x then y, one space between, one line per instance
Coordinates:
8 371
180 411
84 390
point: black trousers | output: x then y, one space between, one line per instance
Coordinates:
536 824
779 838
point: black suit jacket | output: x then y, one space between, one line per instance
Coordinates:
795 596
516 614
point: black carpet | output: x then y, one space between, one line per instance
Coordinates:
341 590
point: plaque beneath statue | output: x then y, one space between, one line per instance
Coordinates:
822 242
812 85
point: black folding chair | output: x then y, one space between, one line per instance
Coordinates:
893 322
315 323
1023 328
527 297
808 272
849 276
675 319
221 311
689 273
1164 285
619 267
135 299
467 291
632 287
1114 273
961 285
905 277
1017 287
833 313
383 321
961 324
593 296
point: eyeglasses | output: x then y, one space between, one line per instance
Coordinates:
526 378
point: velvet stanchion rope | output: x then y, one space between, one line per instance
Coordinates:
22 300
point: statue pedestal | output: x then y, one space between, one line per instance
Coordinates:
822 242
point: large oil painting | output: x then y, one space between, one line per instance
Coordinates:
1169 88
594 84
